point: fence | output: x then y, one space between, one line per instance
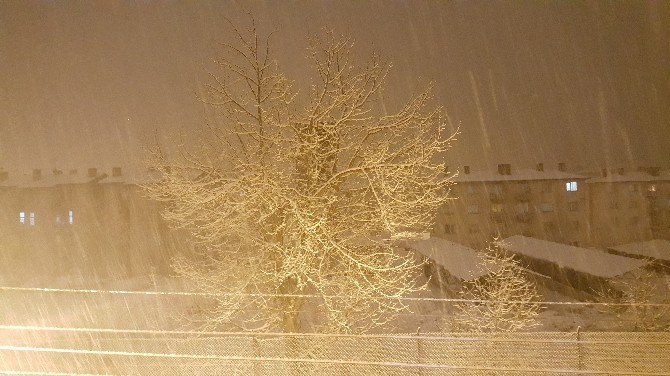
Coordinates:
78 345
49 350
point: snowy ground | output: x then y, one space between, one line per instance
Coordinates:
160 313
171 312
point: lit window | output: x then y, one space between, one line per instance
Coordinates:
497 208
652 188
70 218
32 219
22 217
571 186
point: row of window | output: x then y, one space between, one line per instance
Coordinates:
497 189
523 207
31 219
548 227
570 186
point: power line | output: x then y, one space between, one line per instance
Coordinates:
263 295
328 335
317 361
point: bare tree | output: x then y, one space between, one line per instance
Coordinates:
504 300
297 205
632 301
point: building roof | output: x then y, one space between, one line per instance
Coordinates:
657 248
590 261
460 261
632 176
54 177
516 175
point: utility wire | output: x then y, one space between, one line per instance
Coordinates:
263 295
328 335
318 361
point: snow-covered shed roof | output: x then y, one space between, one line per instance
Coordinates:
657 248
460 261
516 175
589 261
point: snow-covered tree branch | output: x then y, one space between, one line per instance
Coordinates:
287 200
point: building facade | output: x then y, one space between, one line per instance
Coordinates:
91 220
555 205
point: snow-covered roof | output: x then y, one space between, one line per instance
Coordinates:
657 248
591 261
462 262
516 175
632 176
54 177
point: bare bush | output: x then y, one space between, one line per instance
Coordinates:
503 300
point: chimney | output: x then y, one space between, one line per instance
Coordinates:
37 174
603 172
92 172
621 171
561 166
653 171
466 170
116 171
505 169
540 167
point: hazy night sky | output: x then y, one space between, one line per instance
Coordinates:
588 83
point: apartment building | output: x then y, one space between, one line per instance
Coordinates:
658 192
91 217
617 207
629 206
550 204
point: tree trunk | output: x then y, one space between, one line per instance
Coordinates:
291 324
